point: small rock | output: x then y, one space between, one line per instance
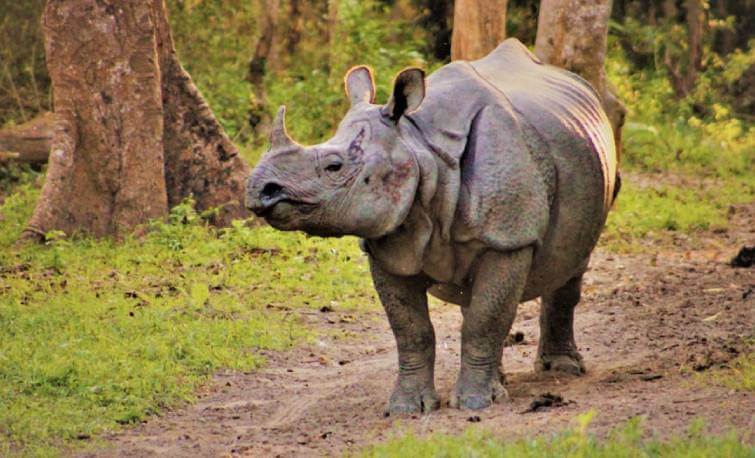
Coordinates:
744 258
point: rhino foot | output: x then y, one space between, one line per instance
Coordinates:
564 363
412 401
477 394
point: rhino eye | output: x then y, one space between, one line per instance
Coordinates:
334 167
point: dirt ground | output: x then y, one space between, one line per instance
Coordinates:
651 328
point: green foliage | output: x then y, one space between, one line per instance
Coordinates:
95 333
663 134
312 88
654 210
627 441
215 40
699 140
16 208
23 77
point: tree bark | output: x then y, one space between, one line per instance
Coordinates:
132 136
683 71
573 34
293 37
479 26
28 142
259 116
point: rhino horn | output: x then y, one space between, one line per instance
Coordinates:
278 136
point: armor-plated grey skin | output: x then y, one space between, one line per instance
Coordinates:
486 185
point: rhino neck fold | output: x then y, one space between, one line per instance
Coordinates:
422 243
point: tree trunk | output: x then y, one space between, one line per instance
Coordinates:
573 34
259 116
683 72
726 38
479 26
293 37
268 21
28 142
133 136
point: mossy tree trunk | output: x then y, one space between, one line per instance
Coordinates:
479 26
133 136
573 34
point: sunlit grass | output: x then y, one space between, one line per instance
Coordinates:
627 441
740 375
655 210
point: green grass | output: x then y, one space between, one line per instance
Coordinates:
740 375
627 441
655 211
95 334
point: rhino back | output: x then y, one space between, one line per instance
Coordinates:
560 105
565 130
564 112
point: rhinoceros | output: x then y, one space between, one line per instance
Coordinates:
486 184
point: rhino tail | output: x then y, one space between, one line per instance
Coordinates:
617 186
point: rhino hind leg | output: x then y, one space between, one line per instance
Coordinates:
497 290
405 302
557 350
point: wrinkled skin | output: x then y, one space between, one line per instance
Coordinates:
486 184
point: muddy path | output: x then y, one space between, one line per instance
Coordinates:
653 329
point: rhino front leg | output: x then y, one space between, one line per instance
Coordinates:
557 350
496 292
405 302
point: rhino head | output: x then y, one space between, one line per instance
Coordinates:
361 182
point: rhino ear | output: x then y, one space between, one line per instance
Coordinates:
408 93
360 86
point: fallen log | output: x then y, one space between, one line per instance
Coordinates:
28 142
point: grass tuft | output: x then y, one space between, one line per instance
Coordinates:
740 375
655 211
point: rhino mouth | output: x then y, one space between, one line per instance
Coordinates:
283 210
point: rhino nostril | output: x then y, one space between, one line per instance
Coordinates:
271 189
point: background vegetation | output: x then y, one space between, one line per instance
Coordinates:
94 334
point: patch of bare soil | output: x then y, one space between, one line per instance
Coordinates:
647 325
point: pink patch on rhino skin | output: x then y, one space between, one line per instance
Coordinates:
395 178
